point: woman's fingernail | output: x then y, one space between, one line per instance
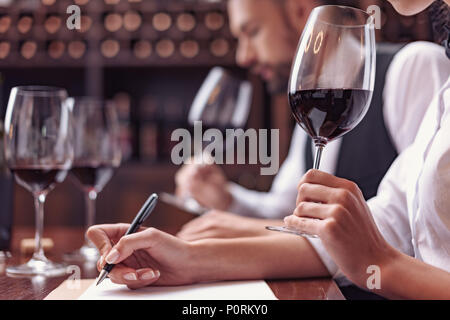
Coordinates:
130 277
112 256
157 273
148 275
101 260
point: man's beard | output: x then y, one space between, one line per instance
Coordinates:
280 81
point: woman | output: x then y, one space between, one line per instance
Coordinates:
409 217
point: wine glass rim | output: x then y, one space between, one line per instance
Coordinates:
94 102
369 20
41 91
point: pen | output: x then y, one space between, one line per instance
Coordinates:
142 215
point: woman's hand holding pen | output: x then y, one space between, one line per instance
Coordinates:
147 257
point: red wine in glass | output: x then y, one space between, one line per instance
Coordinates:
92 176
329 113
36 179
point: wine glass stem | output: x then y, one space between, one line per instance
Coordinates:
318 157
39 200
90 199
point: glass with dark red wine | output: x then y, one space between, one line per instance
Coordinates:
97 154
332 76
39 151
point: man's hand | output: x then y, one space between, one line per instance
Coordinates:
147 257
218 224
206 183
336 211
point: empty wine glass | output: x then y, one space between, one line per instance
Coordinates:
38 150
223 102
97 155
332 77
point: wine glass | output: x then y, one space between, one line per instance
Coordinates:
6 198
332 76
223 102
38 150
97 154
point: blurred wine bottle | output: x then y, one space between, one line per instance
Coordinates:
5 48
162 21
165 48
189 49
52 24
132 21
56 49
6 189
186 22
142 49
113 22
214 20
219 47
28 49
110 48
25 23
5 23
76 49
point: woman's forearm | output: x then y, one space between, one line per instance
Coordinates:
407 278
265 257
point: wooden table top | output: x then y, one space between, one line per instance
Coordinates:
69 239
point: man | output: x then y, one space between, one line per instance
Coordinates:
267 33
415 222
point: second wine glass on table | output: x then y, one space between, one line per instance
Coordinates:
332 77
97 154
39 151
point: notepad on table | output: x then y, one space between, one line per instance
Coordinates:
230 290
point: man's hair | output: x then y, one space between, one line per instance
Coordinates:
440 20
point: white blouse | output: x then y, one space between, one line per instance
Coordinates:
412 207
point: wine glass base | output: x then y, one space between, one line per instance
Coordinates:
292 231
85 253
36 267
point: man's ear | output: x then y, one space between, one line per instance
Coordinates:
297 12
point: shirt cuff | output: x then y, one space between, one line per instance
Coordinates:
332 267
240 199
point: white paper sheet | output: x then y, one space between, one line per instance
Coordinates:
230 290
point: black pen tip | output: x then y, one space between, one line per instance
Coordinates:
102 276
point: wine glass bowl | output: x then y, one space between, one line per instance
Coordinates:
222 102
39 152
333 75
